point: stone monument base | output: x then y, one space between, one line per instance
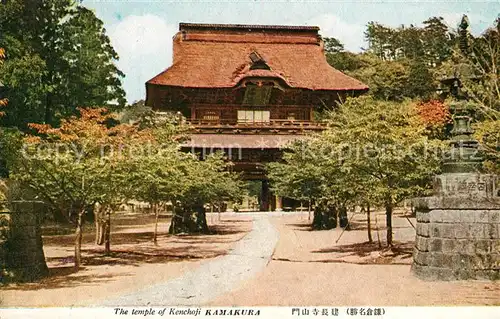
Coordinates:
457 239
21 248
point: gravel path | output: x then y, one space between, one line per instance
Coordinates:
214 278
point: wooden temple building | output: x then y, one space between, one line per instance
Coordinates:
248 90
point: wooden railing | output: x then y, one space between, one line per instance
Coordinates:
257 124
204 106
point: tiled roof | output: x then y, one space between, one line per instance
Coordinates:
213 56
184 26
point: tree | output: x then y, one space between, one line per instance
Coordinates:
3 100
298 176
386 146
332 45
399 62
66 165
134 111
372 153
204 181
430 44
310 171
392 80
114 186
59 58
387 79
158 178
438 41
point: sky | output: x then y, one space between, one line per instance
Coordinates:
141 31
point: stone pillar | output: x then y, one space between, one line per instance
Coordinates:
21 248
458 230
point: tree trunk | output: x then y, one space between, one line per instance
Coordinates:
343 219
174 219
78 239
325 216
60 216
388 221
309 210
369 222
99 226
48 107
155 235
192 219
107 233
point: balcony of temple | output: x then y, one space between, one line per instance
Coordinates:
274 119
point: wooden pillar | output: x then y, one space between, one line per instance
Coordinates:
272 201
193 113
264 196
278 203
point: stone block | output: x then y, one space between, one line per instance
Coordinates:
495 245
24 231
483 246
438 259
490 231
492 261
435 245
24 274
469 247
422 243
476 231
421 257
447 230
423 217
431 273
24 219
448 245
463 274
21 207
20 242
487 274
494 216
481 216
22 258
436 216
444 273
467 216
450 216
461 261
423 229
434 230
461 231
459 246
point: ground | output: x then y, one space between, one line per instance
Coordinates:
261 259
135 261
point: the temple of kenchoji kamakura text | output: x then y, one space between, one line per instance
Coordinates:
249 90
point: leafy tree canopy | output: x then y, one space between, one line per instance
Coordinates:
58 58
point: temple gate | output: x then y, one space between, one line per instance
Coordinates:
249 90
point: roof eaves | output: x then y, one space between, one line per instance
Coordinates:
184 25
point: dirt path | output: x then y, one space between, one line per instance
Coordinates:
310 269
212 279
280 262
135 261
